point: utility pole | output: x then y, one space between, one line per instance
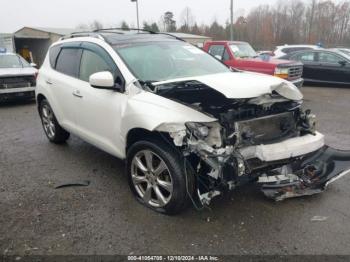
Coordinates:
137 12
231 24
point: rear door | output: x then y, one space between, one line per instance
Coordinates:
62 81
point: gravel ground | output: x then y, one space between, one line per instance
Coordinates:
104 218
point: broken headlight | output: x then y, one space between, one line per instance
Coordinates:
199 130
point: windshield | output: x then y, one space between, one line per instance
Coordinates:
243 50
12 61
160 61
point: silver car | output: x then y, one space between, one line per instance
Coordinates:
17 77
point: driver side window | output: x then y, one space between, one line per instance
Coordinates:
92 63
217 50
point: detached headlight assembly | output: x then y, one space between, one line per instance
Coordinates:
282 72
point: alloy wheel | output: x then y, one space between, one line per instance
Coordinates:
151 178
48 121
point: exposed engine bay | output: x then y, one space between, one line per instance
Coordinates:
268 139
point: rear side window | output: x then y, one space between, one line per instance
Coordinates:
216 50
294 49
54 51
92 63
68 61
304 57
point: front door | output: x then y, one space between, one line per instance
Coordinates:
98 111
332 69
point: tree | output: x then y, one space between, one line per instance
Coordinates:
169 24
154 27
146 26
217 31
150 27
124 25
96 25
187 20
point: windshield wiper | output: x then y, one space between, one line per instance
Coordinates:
147 83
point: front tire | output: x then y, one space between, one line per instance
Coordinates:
157 178
54 132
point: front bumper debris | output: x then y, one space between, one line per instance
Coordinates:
289 148
308 176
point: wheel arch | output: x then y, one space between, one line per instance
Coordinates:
39 98
138 134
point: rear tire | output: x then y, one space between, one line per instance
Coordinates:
157 178
54 132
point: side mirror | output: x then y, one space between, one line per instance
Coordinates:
104 80
343 63
33 65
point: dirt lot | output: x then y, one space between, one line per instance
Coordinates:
104 218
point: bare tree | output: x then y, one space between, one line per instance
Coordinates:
187 20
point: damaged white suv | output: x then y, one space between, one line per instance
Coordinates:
188 126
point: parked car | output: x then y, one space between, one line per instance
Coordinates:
265 52
188 127
283 50
17 77
323 66
241 55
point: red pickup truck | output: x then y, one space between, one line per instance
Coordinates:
242 56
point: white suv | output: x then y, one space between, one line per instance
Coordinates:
188 127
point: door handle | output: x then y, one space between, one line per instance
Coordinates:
76 93
48 82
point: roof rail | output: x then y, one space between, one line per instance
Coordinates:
98 33
124 29
135 29
82 34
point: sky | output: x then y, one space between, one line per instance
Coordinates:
15 14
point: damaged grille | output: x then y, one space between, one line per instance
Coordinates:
265 130
17 82
295 72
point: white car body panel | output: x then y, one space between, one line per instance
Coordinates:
245 84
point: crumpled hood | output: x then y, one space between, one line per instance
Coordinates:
237 85
17 71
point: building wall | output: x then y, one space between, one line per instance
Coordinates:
37 42
6 41
38 48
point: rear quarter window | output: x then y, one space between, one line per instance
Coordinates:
53 53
